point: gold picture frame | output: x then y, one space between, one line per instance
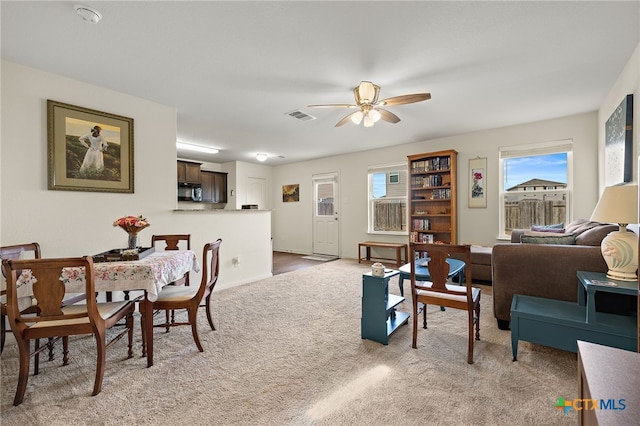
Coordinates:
478 183
291 193
88 150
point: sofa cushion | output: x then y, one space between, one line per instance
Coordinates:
595 235
548 238
589 233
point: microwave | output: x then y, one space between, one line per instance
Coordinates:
189 193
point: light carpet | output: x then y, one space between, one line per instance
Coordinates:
287 351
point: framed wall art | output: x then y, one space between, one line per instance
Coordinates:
88 150
477 183
618 148
291 193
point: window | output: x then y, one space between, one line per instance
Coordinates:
535 185
324 198
388 199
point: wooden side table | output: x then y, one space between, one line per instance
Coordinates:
611 375
399 248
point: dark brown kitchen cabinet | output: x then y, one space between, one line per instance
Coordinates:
214 187
188 172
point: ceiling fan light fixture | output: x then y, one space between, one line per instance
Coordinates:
261 156
366 97
87 13
366 93
356 118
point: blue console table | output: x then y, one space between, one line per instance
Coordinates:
560 324
379 315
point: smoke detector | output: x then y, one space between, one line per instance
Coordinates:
87 13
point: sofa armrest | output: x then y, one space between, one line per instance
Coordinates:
516 234
542 270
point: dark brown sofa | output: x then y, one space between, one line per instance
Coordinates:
549 270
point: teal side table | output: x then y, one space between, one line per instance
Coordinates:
379 315
560 324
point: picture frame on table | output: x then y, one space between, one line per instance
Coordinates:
88 150
618 149
477 183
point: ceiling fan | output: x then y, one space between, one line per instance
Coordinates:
368 105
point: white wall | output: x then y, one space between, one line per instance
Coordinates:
292 224
73 223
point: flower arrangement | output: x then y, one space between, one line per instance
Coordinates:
132 225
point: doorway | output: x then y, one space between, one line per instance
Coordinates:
257 192
326 229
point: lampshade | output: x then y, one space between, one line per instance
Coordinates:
375 115
356 118
261 156
619 204
368 121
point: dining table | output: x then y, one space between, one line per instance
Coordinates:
456 268
149 275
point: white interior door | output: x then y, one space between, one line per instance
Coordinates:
325 215
256 192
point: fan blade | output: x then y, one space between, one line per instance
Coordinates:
405 99
333 106
346 119
388 116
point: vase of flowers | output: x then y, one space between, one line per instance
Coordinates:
132 225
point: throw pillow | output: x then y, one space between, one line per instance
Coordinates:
556 228
549 238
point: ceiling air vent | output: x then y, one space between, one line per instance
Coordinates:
300 115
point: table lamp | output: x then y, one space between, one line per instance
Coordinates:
619 204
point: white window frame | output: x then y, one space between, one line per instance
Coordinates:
555 147
401 170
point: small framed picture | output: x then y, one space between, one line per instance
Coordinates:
394 178
477 183
88 150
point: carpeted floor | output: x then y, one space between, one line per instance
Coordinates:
288 352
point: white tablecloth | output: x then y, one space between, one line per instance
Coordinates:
149 274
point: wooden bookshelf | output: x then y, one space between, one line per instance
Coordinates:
432 197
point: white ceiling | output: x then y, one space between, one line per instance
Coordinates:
234 69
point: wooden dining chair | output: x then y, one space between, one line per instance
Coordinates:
31 250
441 293
173 298
174 242
47 278
17 251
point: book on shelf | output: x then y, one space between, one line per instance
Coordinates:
431 165
419 237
